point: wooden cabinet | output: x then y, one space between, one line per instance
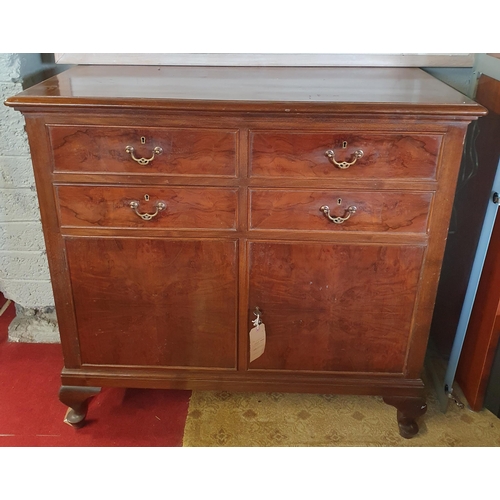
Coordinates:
177 201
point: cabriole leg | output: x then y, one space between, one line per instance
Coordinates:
409 409
77 398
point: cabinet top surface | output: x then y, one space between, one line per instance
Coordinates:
249 89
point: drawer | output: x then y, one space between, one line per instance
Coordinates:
380 211
186 151
184 208
363 155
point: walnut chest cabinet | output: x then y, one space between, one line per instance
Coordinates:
183 206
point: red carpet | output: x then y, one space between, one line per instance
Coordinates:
32 415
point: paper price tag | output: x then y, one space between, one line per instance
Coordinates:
257 341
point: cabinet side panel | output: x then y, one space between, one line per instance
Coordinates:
42 165
439 220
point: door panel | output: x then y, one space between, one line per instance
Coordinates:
334 307
155 302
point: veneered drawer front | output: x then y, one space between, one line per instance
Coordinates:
380 211
184 208
384 156
186 151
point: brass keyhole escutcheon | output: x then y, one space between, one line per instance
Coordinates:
146 197
143 140
344 144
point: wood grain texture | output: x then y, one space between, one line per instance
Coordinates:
314 90
103 149
186 208
155 302
378 211
298 154
334 308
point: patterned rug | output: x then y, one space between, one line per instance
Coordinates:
223 419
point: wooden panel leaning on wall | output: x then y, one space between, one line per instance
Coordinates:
182 206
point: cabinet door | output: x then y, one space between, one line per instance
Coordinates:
155 301
331 307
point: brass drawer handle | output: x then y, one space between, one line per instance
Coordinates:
344 164
143 161
339 220
160 205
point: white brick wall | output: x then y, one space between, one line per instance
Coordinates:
32 291
16 171
19 205
21 236
29 265
13 140
10 67
24 274
22 249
